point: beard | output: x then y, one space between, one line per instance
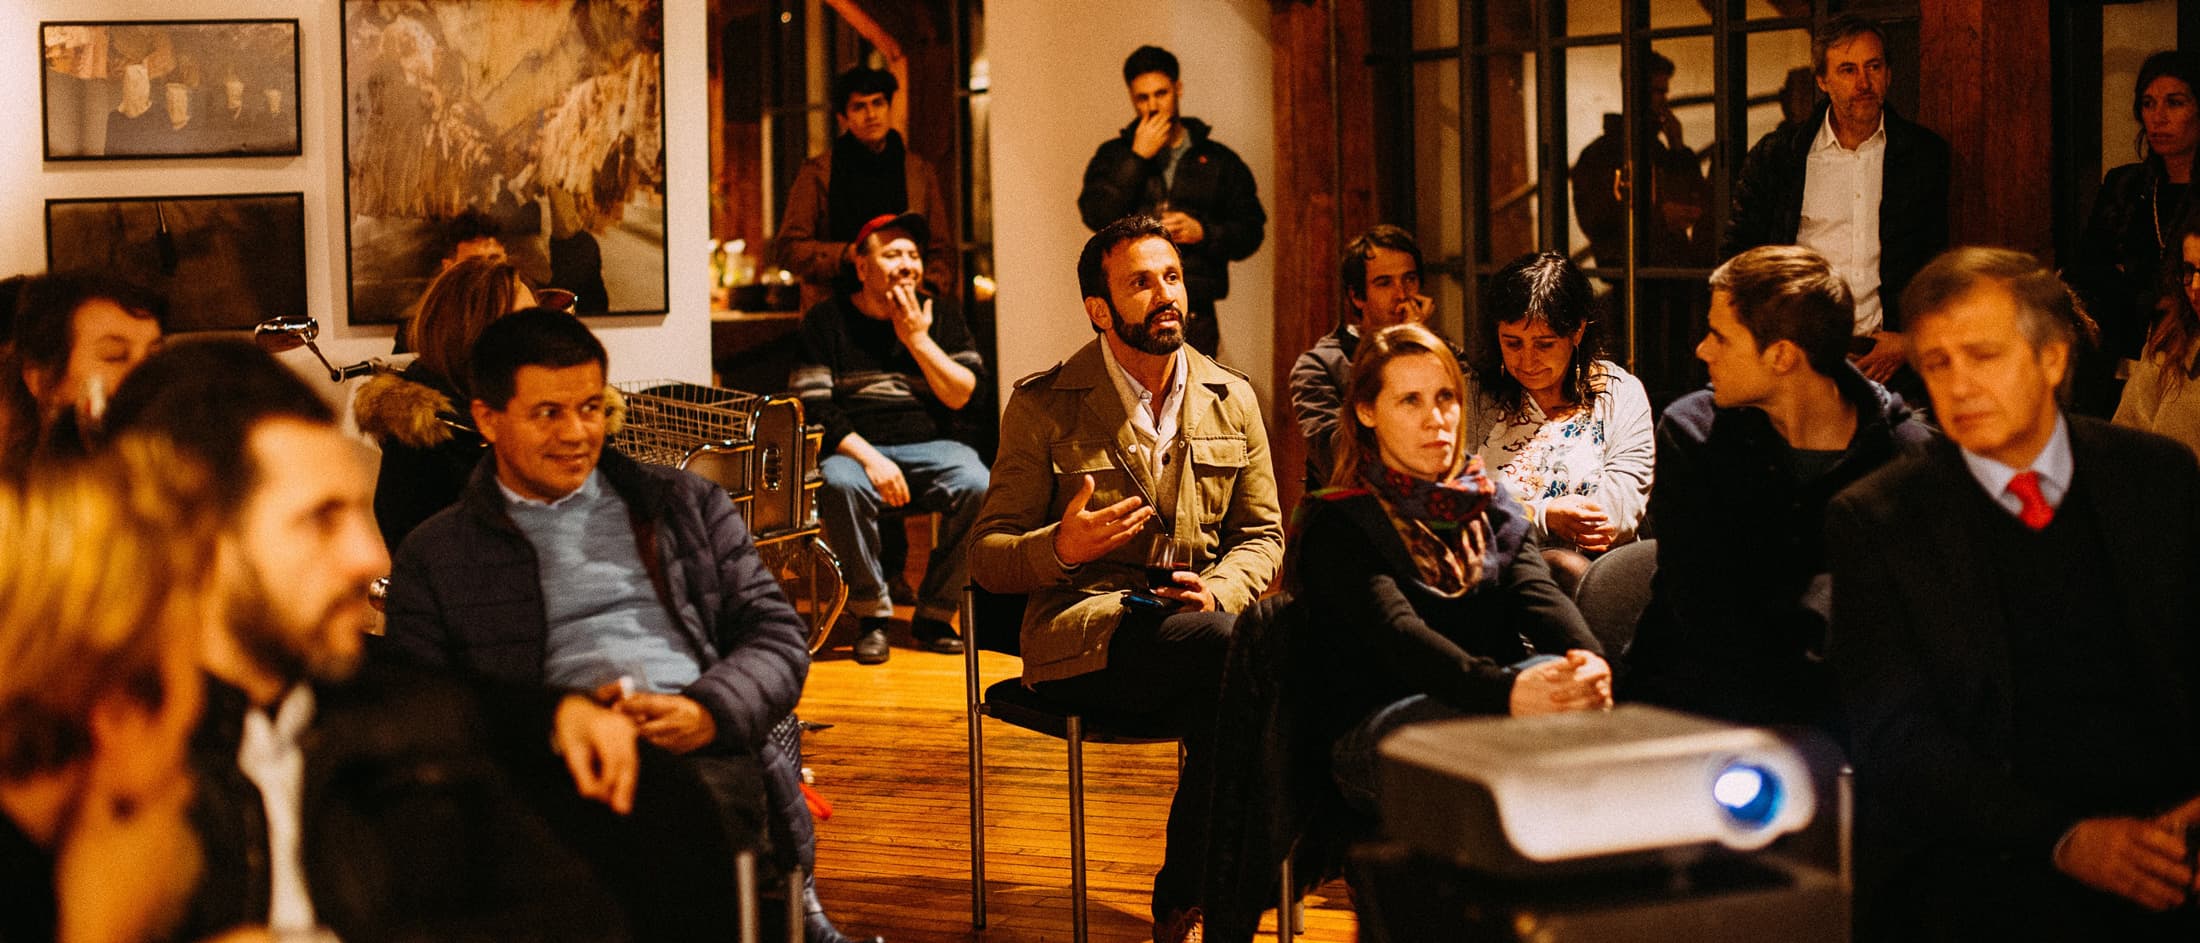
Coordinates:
292 651
1142 338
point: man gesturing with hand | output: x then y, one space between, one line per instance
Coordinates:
1134 438
888 371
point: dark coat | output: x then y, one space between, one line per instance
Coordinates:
466 594
1390 637
1913 201
1921 649
2117 266
429 447
1211 184
411 827
1737 617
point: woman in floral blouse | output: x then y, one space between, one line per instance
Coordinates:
1569 434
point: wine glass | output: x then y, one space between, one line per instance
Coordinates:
1164 559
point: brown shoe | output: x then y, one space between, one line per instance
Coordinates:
1182 926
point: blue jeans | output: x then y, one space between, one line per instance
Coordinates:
944 476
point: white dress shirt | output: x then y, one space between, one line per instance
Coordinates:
1156 436
2055 464
270 756
1841 190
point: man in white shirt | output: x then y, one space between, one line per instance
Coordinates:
1864 187
1137 438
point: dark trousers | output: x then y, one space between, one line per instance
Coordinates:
1167 664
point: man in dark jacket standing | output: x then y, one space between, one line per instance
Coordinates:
1737 618
1864 187
1168 166
567 564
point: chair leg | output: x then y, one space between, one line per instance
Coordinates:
1076 828
977 765
796 905
1286 903
745 897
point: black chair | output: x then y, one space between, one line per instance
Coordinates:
994 622
1615 591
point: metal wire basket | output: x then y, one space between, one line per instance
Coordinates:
667 421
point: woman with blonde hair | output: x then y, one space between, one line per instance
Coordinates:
101 610
1419 573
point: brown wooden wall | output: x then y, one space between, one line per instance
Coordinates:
1985 84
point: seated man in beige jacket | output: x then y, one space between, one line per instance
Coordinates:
1136 438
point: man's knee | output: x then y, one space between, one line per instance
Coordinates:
845 475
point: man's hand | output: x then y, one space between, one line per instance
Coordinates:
1190 590
1885 357
2136 859
912 316
598 746
1085 536
1415 310
1580 681
1152 134
671 721
1182 227
1582 521
887 480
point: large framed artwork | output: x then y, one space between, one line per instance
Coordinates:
535 130
223 262
132 89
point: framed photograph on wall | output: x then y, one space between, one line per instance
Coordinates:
530 130
223 262
135 89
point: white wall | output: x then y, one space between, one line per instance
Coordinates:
1057 92
2129 33
673 346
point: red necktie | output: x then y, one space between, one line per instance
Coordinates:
2035 512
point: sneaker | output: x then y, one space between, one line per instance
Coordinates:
871 647
933 635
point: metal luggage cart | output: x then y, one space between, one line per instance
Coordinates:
759 449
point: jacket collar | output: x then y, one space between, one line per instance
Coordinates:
1206 385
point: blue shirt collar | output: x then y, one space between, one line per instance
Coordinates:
2054 465
585 493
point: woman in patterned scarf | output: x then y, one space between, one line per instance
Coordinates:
1424 589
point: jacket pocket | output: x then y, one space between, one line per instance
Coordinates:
1075 459
1216 461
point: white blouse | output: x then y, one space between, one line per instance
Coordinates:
1604 452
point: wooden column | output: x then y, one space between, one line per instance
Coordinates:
1324 192
1985 85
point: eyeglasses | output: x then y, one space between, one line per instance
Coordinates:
2184 272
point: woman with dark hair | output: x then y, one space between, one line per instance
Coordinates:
2130 239
74 338
1569 433
2160 397
429 446
1421 580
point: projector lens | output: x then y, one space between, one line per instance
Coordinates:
1749 794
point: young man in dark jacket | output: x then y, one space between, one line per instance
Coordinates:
570 565
1737 620
1168 166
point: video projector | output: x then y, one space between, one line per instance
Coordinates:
1579 792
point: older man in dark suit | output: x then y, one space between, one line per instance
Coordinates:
2013 636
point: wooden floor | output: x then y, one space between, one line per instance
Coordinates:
894 858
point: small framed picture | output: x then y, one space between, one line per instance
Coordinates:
135 89
223 262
